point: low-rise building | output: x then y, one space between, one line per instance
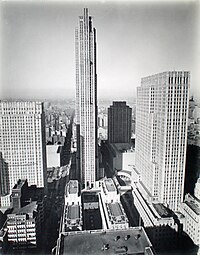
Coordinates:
24 221
129 241
111 209
72 193
191 210
53 155
120 156
72 213
116 216
162 225
109 191
72 218
22 226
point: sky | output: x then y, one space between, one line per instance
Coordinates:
134 40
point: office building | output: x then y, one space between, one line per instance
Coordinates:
72 213
54 153
86 100
191 210
119 156
128 241
22 143
112 212
161 136
119 123
24 221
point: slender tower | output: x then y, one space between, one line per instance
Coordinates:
161 135
86 101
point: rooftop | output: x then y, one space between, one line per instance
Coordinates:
19 184
122 147
129 241
26 209
110 185
52 149
193 203
116 213
163 211
73 187
73 212
115 209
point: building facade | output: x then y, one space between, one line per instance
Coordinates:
191 210
22 143
86 100
161 135
119 123
24 221
22 226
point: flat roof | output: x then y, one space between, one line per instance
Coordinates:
162 210
110 185
93 242
115 209
193 203
52 149
73 212
26 209
122 147
19 184
73 186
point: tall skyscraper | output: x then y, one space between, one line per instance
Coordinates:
22 143
161 135
86 100
119 123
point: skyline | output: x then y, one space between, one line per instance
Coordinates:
134 40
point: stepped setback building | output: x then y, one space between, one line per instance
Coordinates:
86 100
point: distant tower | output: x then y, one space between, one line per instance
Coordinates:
119 123
4 177
86 101
161 135
22 143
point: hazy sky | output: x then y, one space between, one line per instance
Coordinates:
134 39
